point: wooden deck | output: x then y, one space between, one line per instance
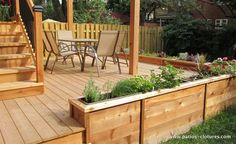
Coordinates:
45 117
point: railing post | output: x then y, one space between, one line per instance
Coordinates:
17 7
134 36
70 14
38 42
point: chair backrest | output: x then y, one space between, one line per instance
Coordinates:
46 42
120 40
64 34
52 42
107 42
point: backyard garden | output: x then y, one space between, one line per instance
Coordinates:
164 105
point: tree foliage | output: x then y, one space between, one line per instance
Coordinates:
93 11
149 6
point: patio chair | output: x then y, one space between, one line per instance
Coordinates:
119 49
47 47
60 51
65 34
105 48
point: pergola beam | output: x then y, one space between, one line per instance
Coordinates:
134 36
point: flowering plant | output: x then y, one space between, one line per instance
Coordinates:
221 66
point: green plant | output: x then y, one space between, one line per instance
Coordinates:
4 13
107 87
93 11
124 87
92 93
143 84
156 80
170 76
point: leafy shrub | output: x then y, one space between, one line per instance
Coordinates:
185 34
143 84
170 77
124 87
4 13
93 11
92 93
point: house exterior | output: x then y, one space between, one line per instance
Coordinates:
218 15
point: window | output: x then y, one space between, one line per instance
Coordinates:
219 23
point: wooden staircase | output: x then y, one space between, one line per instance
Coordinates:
17 68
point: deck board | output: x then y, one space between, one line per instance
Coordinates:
41 126
9 131
27 131
48 114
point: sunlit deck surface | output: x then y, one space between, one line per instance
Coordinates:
45 117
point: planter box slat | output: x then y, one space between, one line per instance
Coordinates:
173 111
220 95
113 125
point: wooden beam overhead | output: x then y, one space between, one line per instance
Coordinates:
70 14
134 36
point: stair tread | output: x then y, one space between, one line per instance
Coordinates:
12 70
10 33
18 85
14 56
9 44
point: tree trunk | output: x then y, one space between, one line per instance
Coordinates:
58 9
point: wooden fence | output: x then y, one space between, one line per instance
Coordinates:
150 40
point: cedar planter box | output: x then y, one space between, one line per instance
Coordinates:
220 95
112 121
164 61
154 116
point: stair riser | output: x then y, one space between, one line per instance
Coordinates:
21 76
14 50
21 92
11 39
10 28
20 62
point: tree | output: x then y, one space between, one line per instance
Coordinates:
147 7
53 9
93 11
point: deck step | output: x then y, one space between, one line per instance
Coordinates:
12 44
10 33
16 70
18 89
14 56
15 60
17 74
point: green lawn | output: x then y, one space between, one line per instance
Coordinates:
210 132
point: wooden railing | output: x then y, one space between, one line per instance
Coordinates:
149 40
34 17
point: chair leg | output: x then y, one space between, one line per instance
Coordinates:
72 61
46 64
114 60
93 62
96 58
104 62
126 58
118 62
54 64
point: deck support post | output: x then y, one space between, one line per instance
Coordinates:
70 16
17 7
134 36
38 42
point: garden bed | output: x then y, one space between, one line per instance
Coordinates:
188 65
154 116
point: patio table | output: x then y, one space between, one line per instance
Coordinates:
86 42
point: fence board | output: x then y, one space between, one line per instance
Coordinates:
149 36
